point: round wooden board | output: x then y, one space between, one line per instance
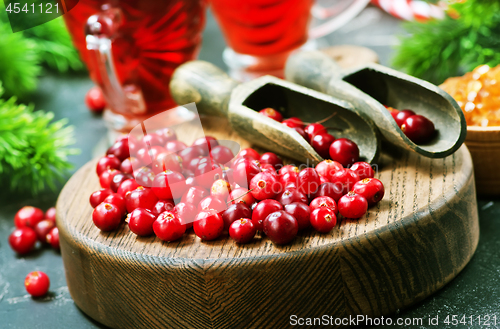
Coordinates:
413 242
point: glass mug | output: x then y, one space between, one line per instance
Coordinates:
261 34
131 49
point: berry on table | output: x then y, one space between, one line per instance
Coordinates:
301 212
51 214
242 230
352 205
212 203
208 225
119 149
37 284
280 227
244 171
327 168
162 206
42 228
106 177
53 238
291 195
371 189
334 191
140 221
323 201
22 240
127 186
107 162
144 176
99 196
264 186
272 113
262 210
344 151
118 179
323 219
141 197
168 227
363 169
345 179
418 129
169 185
308 181
186 212
94 99
107 217
117 200
28 216
235 212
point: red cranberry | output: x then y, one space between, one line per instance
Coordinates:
249 153
291 195
129 164
106 177
314 129
206 173
272 159
240 195
117 200
220 189
266 167
242 230
308 181
28 217
327 168
169 185
50 214
186 212
144 176
141 197
262 210
146 155
53 238
352 205
37 284
168 227
345 179
99 196
140 222
119 149
418 129
127 186
371 189
107 162
344 151
301 132
281 227
153 139
212 203
207 143
235 212
323 179
288 169
221 154
264 186
118 179
194 195
363 169
191 153
107 217
22 240
334 191
323 201
401 116
168 134
293 122
167 161
272 114
175 146
301 212
162 206
208 225
94 99
321 144
288 178
244 171
323 219
190 182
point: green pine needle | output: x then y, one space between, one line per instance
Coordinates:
33 149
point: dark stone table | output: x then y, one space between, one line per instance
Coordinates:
474 292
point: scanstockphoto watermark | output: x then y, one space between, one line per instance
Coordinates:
358 320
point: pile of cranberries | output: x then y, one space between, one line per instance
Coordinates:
342 150
170 187
33 225
416 127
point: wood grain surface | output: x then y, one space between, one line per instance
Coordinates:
418 238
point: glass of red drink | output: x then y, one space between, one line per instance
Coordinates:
261 34
131 49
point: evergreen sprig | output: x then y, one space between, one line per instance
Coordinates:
438 49
33 149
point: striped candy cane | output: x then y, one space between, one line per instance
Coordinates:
411 10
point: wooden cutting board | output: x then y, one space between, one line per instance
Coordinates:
417 239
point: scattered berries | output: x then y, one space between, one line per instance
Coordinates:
37 284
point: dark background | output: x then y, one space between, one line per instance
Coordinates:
474 292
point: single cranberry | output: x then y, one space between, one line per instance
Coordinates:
107 162
169 185
127 186
106 177
141 197
191 153
323 179
314 129
244 171
249 153
28 217
294 122
288 169
272 159
272 114
107 217
301 212
168 227
418 129
147 155
42 228
363 169
153 139
324 201
345 151
212 203
22 240
37 284
242 230
327 168
334 191
168 134
291 195
162 206
50 214
401 116
240 195
234 212
186 213
221 154
308 181
206 173
175 146
140 221
281 227
262 210
53 238
167 161
144 176
94 99
352 205
301 132
264 186
194 195
345 180
321 144
117 200
118 179
207 143
371 189
220 189
129 164
288 178
119 149
99 196
323 219
208 225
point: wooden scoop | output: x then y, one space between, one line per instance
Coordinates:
372 86
216 94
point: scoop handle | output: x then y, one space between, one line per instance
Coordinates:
204 84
